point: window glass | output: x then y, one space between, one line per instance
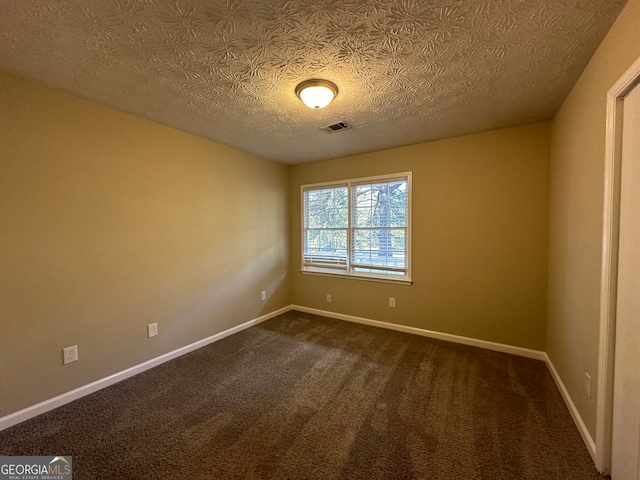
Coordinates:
358 227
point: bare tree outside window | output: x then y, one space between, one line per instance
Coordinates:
360 227
380 210
326 214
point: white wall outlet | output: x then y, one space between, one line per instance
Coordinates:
263 295
392 302
587 384
329 297
69 354
152 329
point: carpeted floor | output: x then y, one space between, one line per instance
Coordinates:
306 397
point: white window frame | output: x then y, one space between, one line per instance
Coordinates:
347 271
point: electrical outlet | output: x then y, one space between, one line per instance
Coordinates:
392 302
69 354
263 295
152 329
587 384
329 297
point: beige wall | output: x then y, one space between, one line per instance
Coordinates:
480 216
110 222
576 193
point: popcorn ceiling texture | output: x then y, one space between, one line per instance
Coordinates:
408 71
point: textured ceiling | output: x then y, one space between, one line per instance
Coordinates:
408 71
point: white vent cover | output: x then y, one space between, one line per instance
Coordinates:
335 127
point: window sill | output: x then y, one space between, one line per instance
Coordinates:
358 277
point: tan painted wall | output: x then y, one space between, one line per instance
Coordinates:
110 222
480 216
576 193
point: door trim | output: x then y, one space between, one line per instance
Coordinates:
609 265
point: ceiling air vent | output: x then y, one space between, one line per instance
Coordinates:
335 127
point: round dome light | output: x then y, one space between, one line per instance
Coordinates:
316 93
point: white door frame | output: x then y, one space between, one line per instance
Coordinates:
609 270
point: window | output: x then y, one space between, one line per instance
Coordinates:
358 228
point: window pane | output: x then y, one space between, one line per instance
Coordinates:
326 208
358 227
381 204
378 207
362 247
383 247
364 217
330 243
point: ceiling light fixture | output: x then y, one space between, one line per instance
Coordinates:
316 93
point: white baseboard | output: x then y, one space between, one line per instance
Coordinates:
50 404
498 347
67 397
577 419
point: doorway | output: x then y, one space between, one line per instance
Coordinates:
625 434
618 417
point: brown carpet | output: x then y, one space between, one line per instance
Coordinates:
306 397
